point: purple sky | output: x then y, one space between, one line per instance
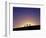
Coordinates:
23 15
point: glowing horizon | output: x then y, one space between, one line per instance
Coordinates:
23 16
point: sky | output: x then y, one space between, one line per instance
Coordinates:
23 16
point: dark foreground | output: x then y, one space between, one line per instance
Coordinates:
27 28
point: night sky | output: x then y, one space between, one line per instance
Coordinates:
23 16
